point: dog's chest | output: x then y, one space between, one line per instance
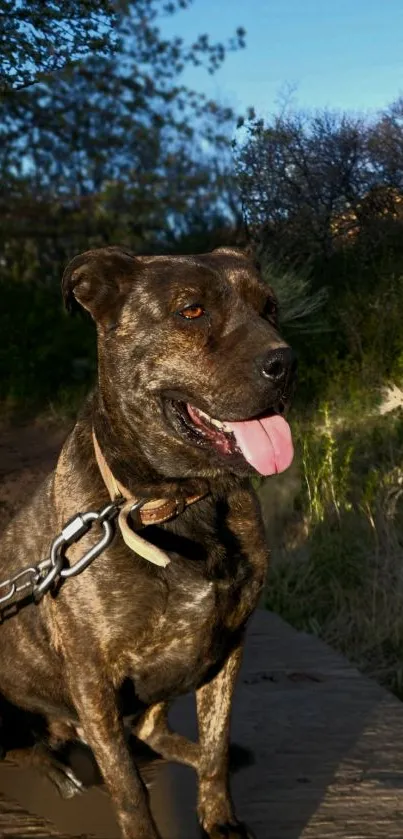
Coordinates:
181 644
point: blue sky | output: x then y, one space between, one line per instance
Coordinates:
345 54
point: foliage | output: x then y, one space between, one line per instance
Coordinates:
38 37
114 148
311 182
300 309
43 353
41 37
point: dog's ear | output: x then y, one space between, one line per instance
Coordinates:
247 252
230 250
99 280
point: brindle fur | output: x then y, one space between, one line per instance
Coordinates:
126 627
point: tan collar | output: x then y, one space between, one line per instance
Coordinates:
150 512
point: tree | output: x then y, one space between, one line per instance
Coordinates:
298 173
385 145
314 182
38 37
114 148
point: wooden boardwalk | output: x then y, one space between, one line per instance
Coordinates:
326 757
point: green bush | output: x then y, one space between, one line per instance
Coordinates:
44 353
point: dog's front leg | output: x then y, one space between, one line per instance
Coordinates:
95 701
215 808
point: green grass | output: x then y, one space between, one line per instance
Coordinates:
337 568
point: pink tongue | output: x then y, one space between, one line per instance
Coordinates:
266 444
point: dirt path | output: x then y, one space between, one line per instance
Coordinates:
27 454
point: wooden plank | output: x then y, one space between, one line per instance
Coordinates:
17 823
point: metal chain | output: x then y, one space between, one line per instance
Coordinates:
38 579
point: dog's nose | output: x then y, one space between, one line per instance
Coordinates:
279 365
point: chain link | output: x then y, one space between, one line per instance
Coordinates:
36 580
11 586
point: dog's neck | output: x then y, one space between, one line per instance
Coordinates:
129 465
186 533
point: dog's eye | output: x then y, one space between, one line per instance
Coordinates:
192 312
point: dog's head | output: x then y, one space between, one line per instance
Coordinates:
192 368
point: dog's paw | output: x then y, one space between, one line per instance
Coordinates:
229 830
65 781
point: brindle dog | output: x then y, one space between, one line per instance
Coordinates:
192 380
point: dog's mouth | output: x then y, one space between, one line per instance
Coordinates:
264 442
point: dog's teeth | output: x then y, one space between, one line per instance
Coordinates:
210 420
213 421
201 414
